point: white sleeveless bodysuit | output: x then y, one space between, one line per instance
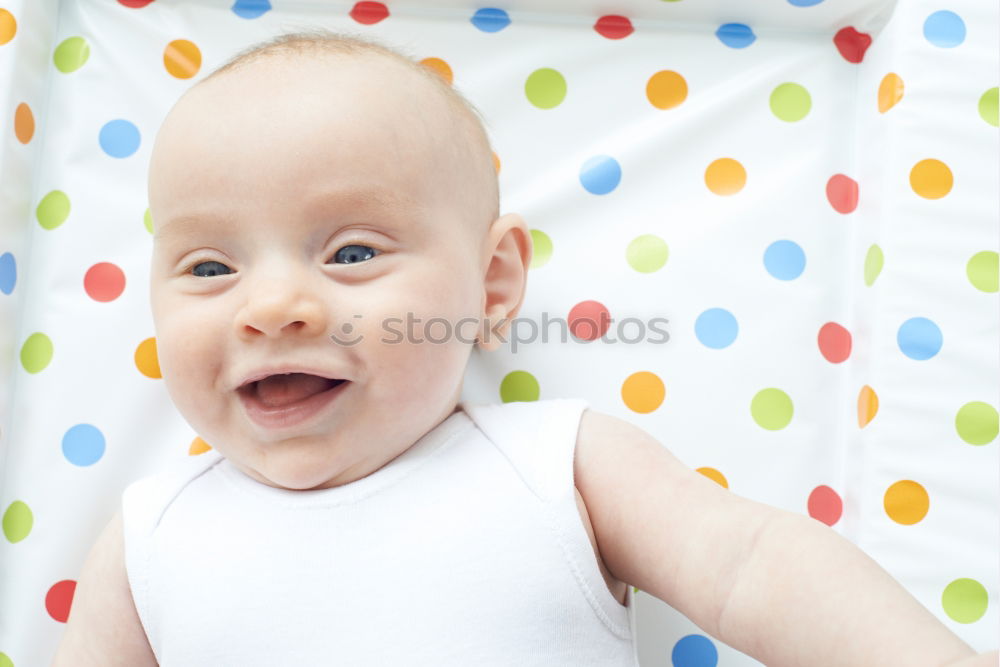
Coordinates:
467 549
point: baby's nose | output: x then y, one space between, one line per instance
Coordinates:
281 306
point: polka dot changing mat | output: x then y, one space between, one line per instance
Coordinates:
764 232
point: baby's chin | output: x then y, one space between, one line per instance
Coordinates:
299 471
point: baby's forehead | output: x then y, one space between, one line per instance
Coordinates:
359 95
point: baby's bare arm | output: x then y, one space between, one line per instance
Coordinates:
103 627
779 586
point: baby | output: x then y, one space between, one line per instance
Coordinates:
352 510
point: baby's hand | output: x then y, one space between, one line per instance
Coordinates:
777 585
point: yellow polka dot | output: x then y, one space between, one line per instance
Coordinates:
198 446
182 58
496 162
931 179
867 406
146 360
666 89
725 176
890 91
8 26
906 502
715 476
643 392
439 67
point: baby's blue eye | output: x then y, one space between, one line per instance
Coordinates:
213 271
352 254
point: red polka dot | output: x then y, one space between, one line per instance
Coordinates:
842 192
134 4
834 342
104 282
852 44
589 320
369 13
825 505
613 26
59 599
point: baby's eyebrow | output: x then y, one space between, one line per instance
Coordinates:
341 201
184 224
367 199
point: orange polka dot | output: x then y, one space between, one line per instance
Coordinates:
931 179
146 360
496 162
725 176
440 67
715 476
906 502
643 392
666 89
24 123
8 26
198 446
867 406
182 58
890 91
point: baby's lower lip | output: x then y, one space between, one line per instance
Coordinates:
294 414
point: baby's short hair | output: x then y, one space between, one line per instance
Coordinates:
321 41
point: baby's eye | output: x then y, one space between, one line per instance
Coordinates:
213 270
352 254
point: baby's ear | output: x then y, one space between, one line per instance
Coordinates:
508 246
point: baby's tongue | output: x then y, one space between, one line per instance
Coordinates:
277 390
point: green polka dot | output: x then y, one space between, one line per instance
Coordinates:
965 600
147 220
519 386
982 270
71 54
53 210
36 353
17 521
771 409
545 88
977 423
873 264
988 106
790 102
542 248
647 253
5 661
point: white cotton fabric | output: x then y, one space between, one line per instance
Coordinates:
467 549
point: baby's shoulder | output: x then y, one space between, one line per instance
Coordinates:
145 499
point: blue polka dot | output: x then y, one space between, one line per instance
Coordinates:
119 138
83 445
804 3
490 19
784 260
694 651
8 273
736 35
716 328
919 338
251 9
600 174
945 29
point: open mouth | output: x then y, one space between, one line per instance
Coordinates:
289 399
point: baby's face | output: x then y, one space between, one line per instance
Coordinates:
292 204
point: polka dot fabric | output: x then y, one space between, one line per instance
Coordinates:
770 241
